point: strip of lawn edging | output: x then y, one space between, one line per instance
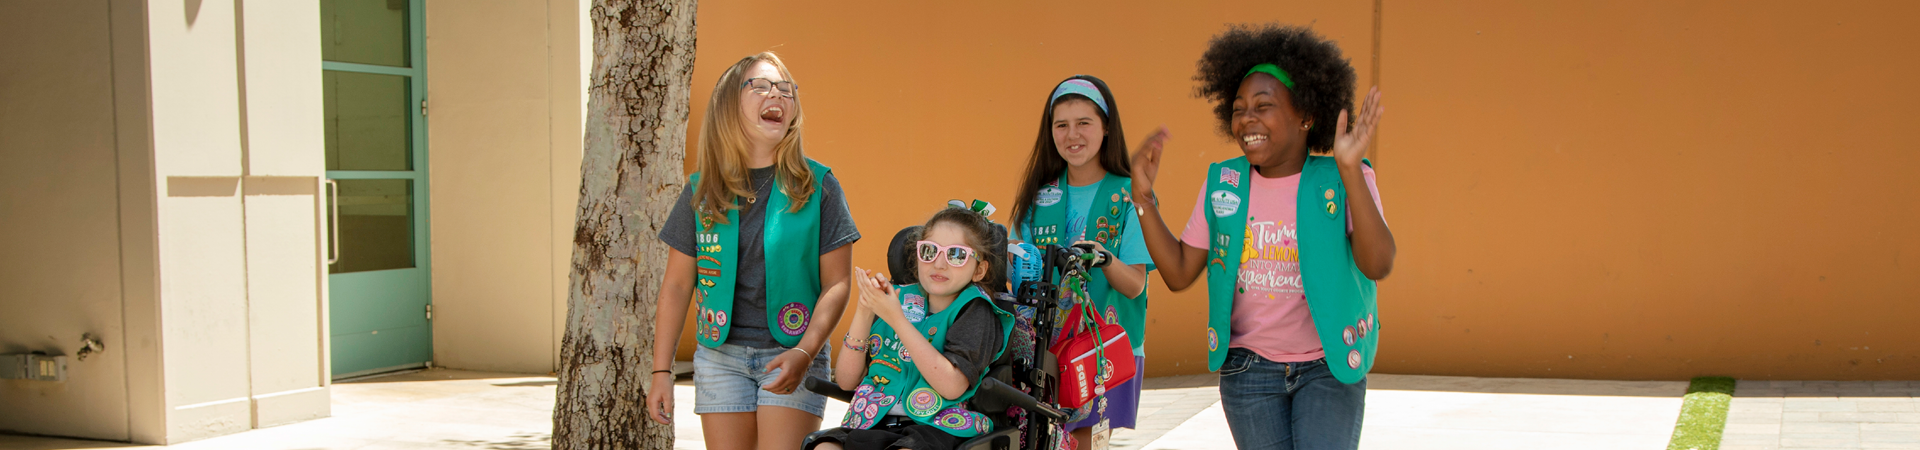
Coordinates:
1703 414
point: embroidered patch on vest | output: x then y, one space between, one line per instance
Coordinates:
1230 177
1213 340
955 419
793 318
923 402
1353 359
914 307
1224 203
866 407
1049 195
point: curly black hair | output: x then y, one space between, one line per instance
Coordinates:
1323 79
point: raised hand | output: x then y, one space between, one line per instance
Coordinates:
877 295
1349 146
1146 163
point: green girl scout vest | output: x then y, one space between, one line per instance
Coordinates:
1340 298
892 378
1106 220
791 240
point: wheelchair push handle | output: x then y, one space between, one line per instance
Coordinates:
1084 257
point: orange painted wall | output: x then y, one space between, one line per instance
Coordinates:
1652 190
1629 191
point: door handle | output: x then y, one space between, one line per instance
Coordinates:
333 229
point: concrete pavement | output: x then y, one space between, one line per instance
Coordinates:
450 409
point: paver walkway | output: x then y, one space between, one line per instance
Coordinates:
1823 414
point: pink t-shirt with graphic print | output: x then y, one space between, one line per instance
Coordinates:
1270 317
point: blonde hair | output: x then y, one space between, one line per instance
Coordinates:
723 147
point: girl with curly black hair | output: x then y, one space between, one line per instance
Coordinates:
1076 191
1291 242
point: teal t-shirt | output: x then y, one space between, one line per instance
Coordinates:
1133 247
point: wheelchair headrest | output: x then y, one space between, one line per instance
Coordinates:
900 255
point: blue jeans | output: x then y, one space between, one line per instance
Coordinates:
1286 406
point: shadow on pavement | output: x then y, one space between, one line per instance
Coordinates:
517 441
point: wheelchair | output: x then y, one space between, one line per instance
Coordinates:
1020 387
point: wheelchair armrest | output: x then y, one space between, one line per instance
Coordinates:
1001 391
827 388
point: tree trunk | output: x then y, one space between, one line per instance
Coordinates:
630 174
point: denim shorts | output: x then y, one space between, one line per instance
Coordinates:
728 380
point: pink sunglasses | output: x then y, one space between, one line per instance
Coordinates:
957 255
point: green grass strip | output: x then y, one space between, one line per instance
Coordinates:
1703 415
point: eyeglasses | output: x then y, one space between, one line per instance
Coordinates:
762 86
957 255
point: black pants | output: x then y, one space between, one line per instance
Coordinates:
893 432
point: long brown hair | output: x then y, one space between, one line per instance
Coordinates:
1046 165
723 147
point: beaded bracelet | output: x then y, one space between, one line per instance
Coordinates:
848 343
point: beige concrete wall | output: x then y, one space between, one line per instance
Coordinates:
284 158
503 133
138 204
160 191
197 157
236 132
59 252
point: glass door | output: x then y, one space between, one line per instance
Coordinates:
377 266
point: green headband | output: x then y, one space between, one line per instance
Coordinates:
1270 69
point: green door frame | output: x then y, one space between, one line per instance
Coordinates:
422 254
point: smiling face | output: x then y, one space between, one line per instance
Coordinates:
941 278
1078 131
1265 123
767 115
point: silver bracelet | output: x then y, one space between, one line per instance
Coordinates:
802 351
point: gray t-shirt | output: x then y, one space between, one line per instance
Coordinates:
972 339
749 327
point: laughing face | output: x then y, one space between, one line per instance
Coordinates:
767 114
1265 123
1078 131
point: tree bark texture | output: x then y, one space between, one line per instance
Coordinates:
630 174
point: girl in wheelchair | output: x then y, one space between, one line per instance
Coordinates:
910 390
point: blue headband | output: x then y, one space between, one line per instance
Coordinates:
1080 87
